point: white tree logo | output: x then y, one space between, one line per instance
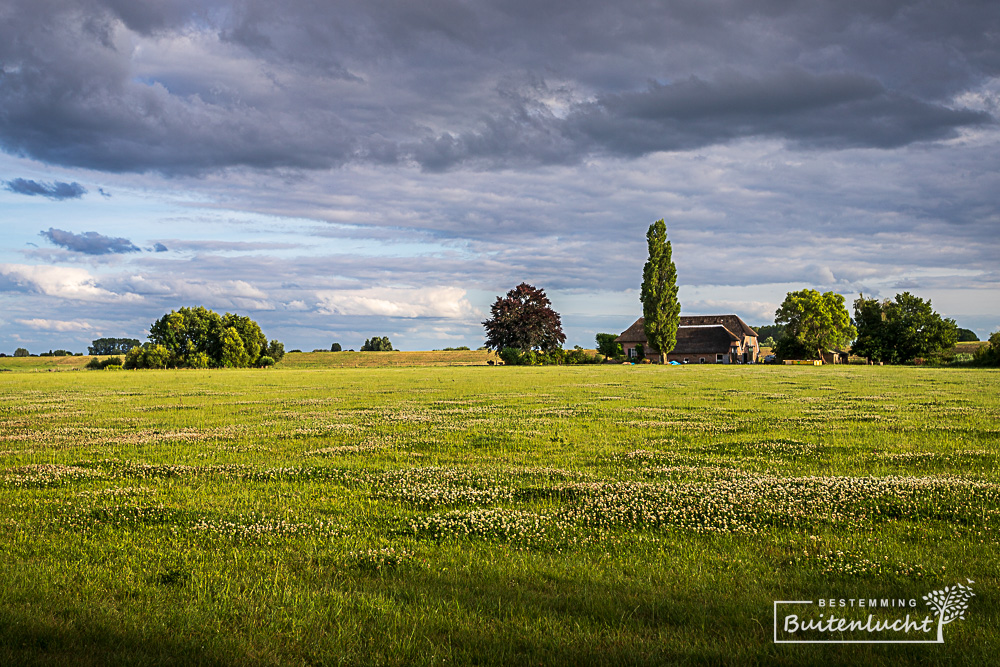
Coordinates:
950 603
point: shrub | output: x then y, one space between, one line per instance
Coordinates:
264 362
96 364
513 356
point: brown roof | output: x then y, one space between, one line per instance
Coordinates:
635 333
704 339
734 325
732 322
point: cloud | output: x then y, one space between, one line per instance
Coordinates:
56 190
431 302
57 281
61 326
195 87
221 293
159 247
89 243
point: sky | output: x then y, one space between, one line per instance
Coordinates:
345 169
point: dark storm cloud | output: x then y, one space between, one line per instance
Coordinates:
94 83
89 243
57 190
830 111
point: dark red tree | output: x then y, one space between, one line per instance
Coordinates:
524 319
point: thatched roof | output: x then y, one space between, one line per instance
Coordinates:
704 339
734 323
635 333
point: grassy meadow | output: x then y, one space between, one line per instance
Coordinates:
448 514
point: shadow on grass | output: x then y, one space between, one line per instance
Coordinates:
43 637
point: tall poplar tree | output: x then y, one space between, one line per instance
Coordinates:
660 307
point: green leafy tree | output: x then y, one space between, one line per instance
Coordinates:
21 352
813 322
989 355
660 308
234 352
336 347
607 346
377 344
254 340
156 356
188 331
873 340
967 336
524 320
899 330
276 350
772 331
200 338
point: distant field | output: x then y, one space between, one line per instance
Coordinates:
299 360
293 360
436 514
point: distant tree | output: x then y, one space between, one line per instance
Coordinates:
899 330
660 308
813 322
276 350
989 354
199 338
21 352
607 346
112 345
873 340
377 344
967 336
336 347
773 331
523 319
768 342
265 361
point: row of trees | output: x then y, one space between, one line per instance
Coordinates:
891 331
103 346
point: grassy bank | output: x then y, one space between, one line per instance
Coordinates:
481 515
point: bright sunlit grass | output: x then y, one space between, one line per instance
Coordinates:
424 515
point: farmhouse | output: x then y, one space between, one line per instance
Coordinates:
701 339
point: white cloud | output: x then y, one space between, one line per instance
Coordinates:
438 302
56 325
57 281
218 294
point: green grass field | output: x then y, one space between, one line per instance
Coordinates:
447 514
